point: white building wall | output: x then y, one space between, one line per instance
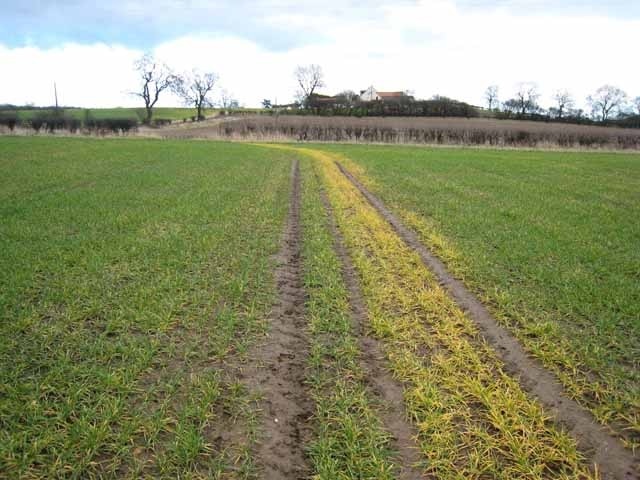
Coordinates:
369 95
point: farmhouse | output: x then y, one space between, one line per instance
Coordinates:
371 95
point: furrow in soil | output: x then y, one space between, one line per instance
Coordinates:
613 460
277 366
388 391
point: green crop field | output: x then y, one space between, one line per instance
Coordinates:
139 114
130 272
198 309
549 240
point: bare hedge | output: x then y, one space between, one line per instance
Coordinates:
52 122
9 120
442 131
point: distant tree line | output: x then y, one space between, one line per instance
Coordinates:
437 106
608 105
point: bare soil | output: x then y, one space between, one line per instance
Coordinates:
596 442
206 129
378 378
276 367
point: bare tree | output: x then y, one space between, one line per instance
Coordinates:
194 88
227 100
156 78
564 103
491 95
309 78
606 101
347 97
527 98
636 102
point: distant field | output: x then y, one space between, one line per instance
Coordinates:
550 241
177 309
177 114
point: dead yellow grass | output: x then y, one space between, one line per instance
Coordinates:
474 420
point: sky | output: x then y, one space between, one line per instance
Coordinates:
430 47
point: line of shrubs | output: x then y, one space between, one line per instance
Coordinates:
429 131
52 122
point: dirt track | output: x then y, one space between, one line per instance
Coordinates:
277 369
613 459
207 129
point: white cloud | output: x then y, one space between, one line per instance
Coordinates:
86 75
429 47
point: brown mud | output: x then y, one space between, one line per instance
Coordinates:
276 367
377 377
613 460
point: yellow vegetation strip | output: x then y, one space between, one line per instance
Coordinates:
609 402
473 419
559 391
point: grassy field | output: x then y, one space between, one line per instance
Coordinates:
472 418
141 279
550 242
169 113
132 272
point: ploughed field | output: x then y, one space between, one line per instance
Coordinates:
203 309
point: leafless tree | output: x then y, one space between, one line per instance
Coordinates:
309 78
636 102
156 78
527 98
564 103
194 88
606 101
347 97
227 100
491 95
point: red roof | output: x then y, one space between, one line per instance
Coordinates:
390 94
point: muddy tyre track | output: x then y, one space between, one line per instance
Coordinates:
377 377
601 447
277 365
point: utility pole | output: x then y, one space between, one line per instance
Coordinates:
55 92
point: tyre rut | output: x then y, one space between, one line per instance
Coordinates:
277 367
614 461
377 377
